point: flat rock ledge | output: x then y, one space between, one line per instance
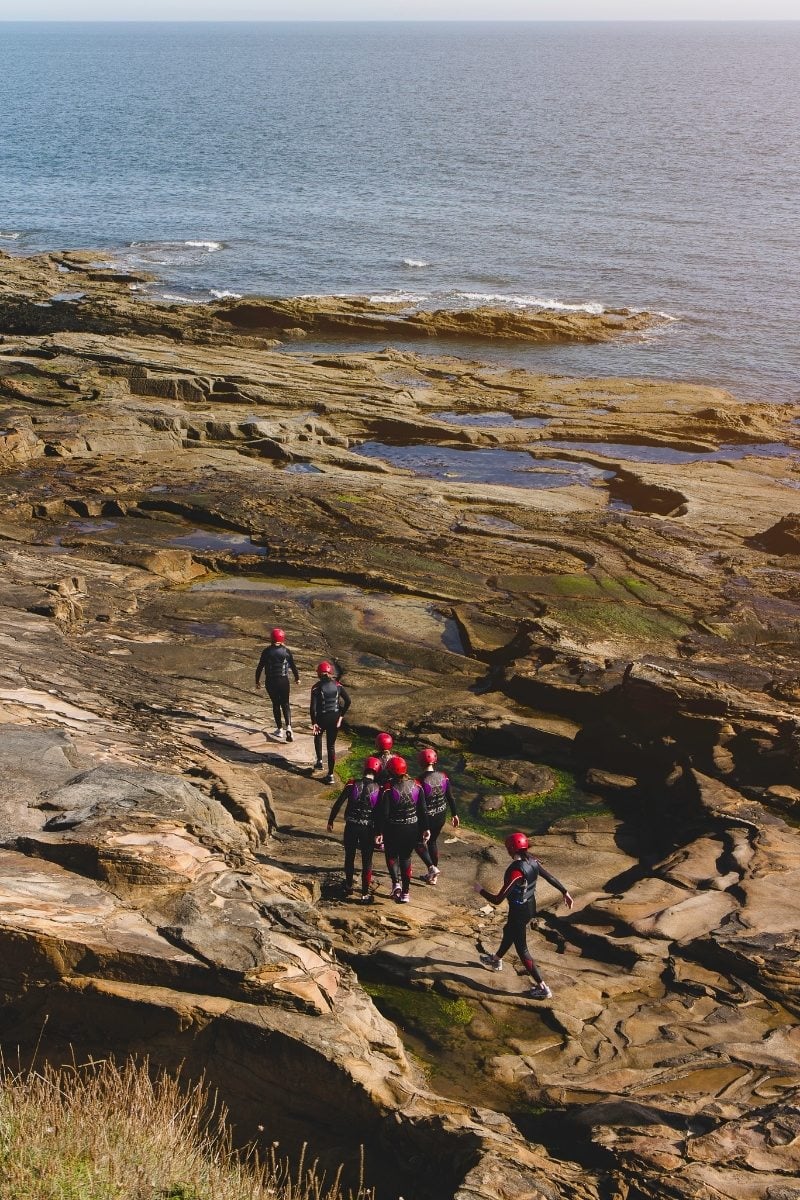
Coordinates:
606 614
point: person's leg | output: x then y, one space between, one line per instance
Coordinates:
318 749
391 852
367 843
423 850
437 825
331 730
284 704
495 961
274 695
409 840
521 921
351 841
430 853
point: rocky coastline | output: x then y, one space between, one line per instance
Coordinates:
585 593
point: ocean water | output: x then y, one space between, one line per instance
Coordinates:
591 165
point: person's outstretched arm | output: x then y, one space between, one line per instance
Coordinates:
507 885
551 879
337 804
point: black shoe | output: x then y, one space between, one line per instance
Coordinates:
317 765
289 734
329 778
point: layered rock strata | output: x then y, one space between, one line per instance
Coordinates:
611 590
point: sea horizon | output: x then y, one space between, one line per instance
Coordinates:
582 164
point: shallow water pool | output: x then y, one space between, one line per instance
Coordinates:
483 465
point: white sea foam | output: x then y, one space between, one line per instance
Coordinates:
530 301
225 295
415 262
175 299
10 237
399 298
164 254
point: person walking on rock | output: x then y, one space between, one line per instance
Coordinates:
438 796
329 703
361 797
275 664
403 823
383 744
519 889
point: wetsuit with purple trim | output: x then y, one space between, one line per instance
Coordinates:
329 703
519 889
438 797
275 664
403 822
361 798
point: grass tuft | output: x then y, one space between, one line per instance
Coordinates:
105 1131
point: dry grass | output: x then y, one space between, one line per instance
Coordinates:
109 1132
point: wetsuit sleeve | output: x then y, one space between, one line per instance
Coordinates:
292 666
551 879
338 804
344 700
262 666
513 876
450 798
312 712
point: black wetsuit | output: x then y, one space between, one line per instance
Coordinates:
276 662
519 889
403 821
329 702
362 796
438 795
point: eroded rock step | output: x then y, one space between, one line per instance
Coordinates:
167 494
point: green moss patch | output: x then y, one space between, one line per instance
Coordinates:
419 1011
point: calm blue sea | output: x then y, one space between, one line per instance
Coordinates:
644 165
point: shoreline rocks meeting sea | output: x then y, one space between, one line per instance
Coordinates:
584 593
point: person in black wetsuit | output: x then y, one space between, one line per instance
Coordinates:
403 823
275 664
519 889
438 796
362 798
329 703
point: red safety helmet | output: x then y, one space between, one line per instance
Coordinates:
324 668
277 636
397 765
384 742
427 757
372 765
516 842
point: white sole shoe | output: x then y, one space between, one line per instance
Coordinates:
540 992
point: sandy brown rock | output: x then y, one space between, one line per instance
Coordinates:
170 488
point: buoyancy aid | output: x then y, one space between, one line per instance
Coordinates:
327 705
404 799
362 797
434 788
277 664
522 890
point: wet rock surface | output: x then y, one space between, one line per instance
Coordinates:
610 662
